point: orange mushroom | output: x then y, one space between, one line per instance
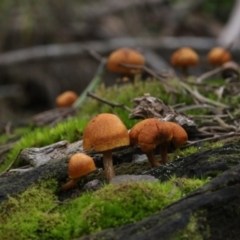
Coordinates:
150 133
179 135
66 99
184 58
218 56
125 56
79 165
104 133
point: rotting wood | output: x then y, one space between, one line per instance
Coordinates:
204 163
210 212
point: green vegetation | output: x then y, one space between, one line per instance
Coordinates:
192 229
36 213
70 130
192 149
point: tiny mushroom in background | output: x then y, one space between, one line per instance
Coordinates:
125 56
184 57
66 99
79 165
152 132
104 133
218 56
230 70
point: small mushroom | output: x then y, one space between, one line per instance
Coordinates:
184 58
218 56
125 56
104 133
79 165
66 99
149 134
230 70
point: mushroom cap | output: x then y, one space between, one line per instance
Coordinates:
179 135
79 165
218 56
66 99
150 133
127 56
230 69
184 57
104 132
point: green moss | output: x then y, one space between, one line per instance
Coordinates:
70 130
36 214
124 94
193 149
196 229
188 185
21 216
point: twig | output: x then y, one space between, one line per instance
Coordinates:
96 55
194 92
208 74
191 107
152 73
92 95
223 124
224 136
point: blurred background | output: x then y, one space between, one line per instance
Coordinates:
45 46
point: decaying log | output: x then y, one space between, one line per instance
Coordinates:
211 212
204 163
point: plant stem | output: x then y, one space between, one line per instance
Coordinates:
92 85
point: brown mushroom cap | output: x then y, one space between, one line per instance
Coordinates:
150 133
218 56
66 99
179 135
184 57
105 132
79 165
127 56
230 70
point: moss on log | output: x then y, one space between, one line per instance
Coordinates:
211 212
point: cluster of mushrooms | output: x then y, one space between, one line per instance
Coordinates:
128 62
106 132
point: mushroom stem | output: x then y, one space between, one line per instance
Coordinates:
108 164
69 184
164 154
185 71
152 159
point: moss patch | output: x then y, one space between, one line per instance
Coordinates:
70 130
196 229
36 213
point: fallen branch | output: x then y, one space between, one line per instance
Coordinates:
94 96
